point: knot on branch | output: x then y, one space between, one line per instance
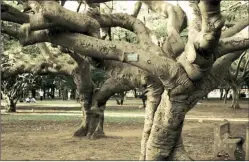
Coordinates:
93 12
197 61
211 31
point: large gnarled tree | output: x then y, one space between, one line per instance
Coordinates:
187 72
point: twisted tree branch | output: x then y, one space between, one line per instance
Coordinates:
200 51
236 28
125 21
232 44
9 13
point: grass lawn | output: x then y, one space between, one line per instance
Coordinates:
74 102
108 119
33 137
49 137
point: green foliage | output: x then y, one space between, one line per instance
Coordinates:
12 46
98 76
16 86
124 35
234 65
14 4
234 10
119 120
55 81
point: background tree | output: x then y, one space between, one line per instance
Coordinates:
14 88
236 78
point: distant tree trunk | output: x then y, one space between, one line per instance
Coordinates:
109 31
64 94
73 93
144 96
235 101
7 101
22 94
117 100
225 95
12 107
121 97
52 92
44 93
59 93
33 92
221 93
144 101
135 93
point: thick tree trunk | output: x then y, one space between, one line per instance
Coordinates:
153 100
93 119
108 89
92 123
166 129
179 153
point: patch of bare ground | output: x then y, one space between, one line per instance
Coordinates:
52 140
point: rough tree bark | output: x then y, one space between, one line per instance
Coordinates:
90 117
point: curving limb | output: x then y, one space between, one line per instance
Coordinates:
236 28
204 33
232 44
9 13
174 44
128 22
